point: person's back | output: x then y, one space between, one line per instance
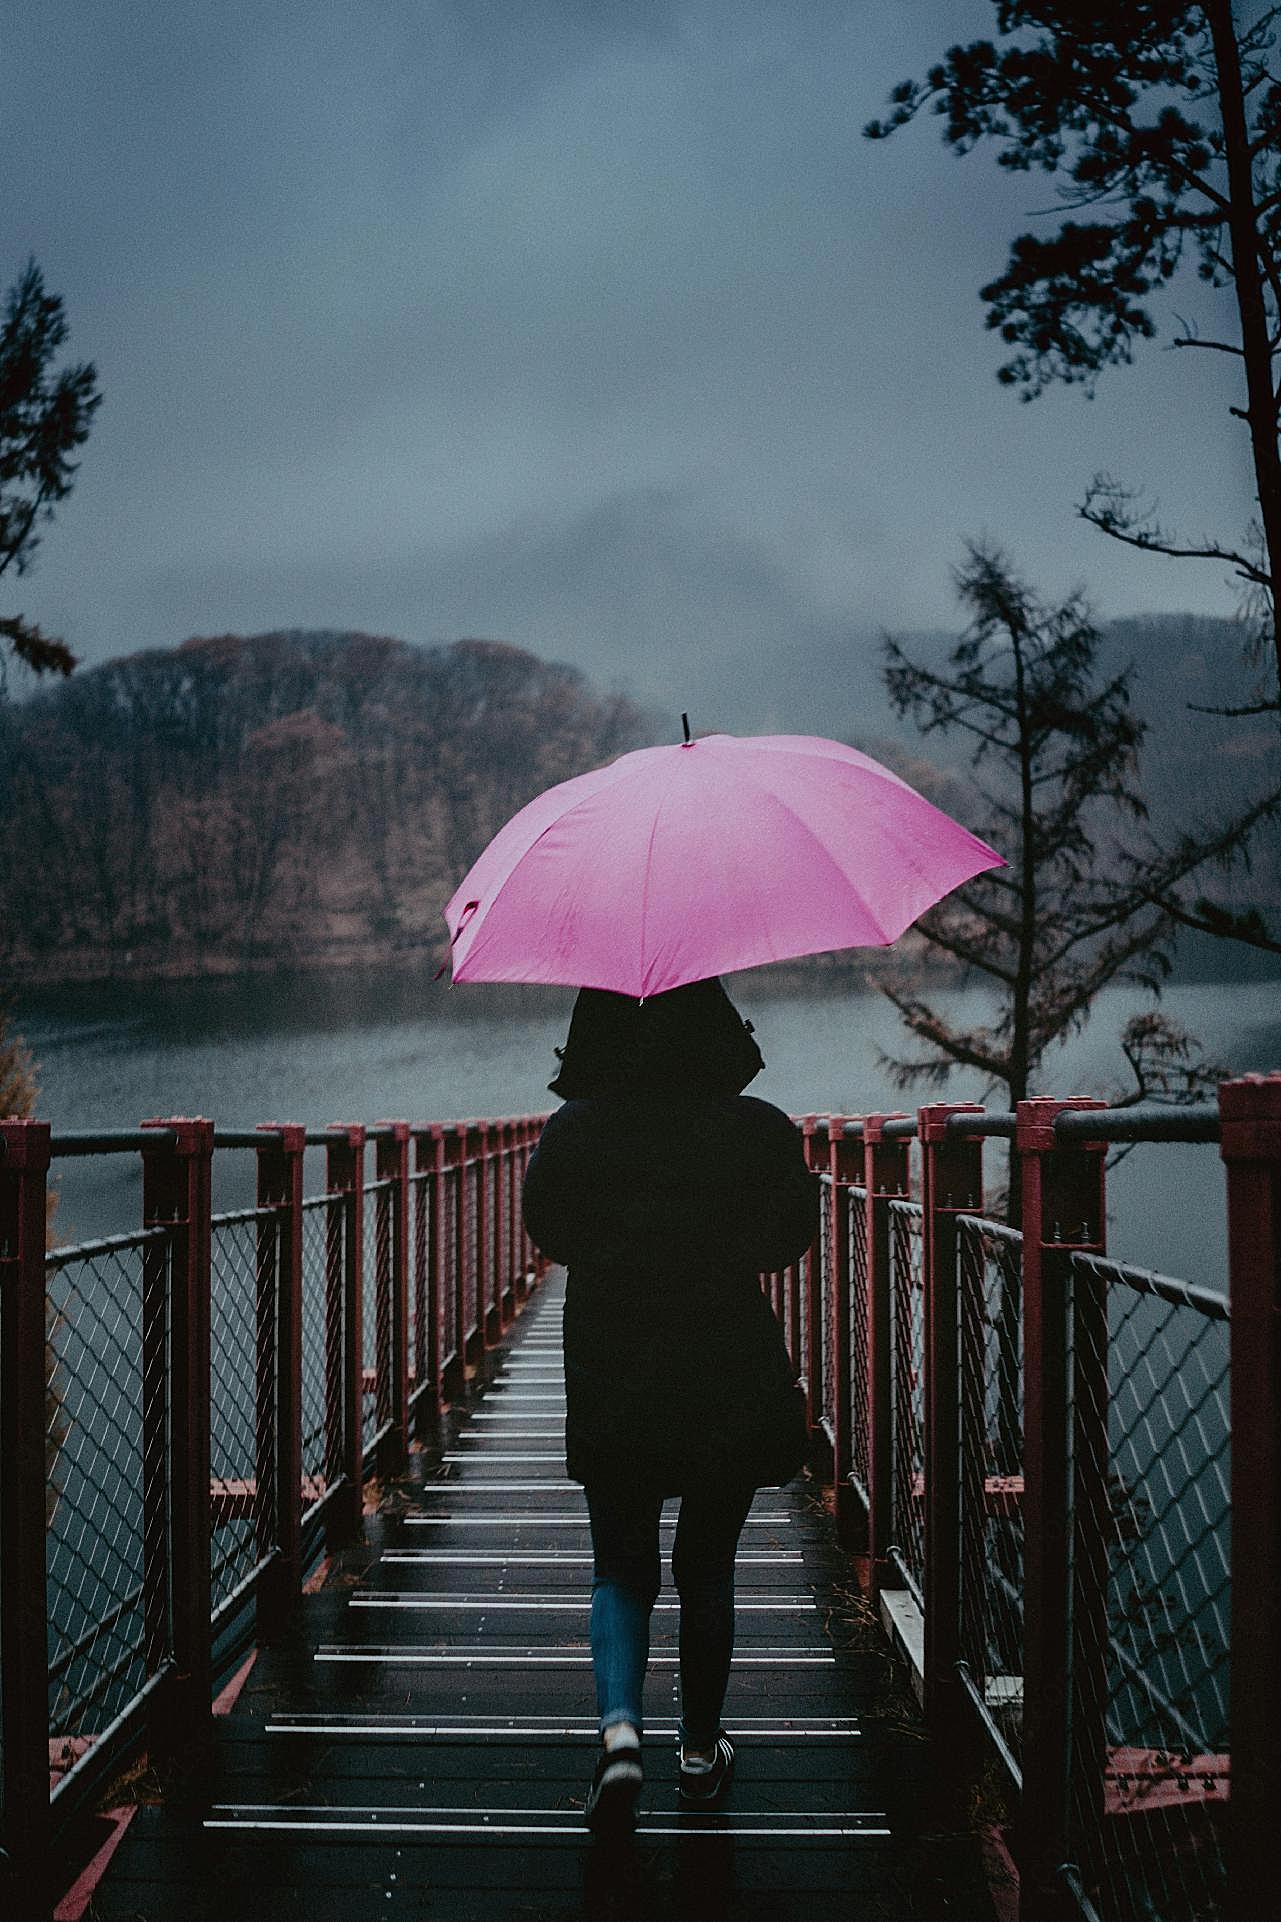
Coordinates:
667 1193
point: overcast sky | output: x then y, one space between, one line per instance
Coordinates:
590 325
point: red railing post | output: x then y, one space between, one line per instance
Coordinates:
177 1195
951 1184
845 1165
447 1317
391 1163
466 1278
502 1267
345 1183
1065 1525
280 1186
426 1392
537 1260
516 1133
1250 1114
810 1332
488 1316
533 1259
455 1258
24 1635
886 1179
511 1220
802 1277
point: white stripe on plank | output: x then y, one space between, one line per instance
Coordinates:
453 1455
376 1810
416 1729
527 1517
488 1829
422 1558
469 1487
500 1604
482 1657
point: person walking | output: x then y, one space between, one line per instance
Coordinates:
667 1192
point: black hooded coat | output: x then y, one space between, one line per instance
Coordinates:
667 1192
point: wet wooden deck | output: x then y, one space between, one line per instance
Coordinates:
420 1744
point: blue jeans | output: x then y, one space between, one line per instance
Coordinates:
625 1585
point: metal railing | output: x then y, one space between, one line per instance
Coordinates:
1028 1444
1031 1457
188 1411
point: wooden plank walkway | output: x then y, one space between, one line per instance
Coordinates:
420 1744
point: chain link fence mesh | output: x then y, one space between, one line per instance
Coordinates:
860 1401
470 1179
449 1202
420 1232
907 1322
105 1435
489 1263
1152 1592
991 1469
800 1334
322 1340
502 1224
376 1308
243 1322
827 1355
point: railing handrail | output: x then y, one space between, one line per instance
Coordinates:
1139 1121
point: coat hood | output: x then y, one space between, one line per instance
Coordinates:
690 1040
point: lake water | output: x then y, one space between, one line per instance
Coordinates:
363 1048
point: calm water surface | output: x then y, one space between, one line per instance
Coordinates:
360 1049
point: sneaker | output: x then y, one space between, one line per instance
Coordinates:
704 1785
611 1800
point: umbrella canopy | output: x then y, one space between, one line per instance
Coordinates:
675 863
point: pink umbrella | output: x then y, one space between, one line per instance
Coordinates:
674 863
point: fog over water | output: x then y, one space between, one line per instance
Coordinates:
363 1049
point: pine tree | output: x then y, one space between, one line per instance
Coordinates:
1161 119
1055 757
44 417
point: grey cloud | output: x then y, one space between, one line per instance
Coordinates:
587 322
645 591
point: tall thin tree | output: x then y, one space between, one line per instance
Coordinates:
44 416
1055 756
1162 118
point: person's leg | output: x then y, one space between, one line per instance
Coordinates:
625 1584
711 1521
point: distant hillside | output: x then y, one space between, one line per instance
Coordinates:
310 798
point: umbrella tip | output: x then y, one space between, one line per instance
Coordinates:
685 725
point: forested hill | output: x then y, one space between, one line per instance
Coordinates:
309 798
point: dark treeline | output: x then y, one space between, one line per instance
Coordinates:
310 798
